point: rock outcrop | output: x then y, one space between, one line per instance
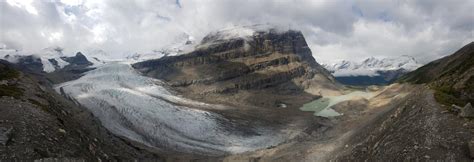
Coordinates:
467 111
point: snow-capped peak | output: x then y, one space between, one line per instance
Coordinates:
240 32
46 56
182 44
372 65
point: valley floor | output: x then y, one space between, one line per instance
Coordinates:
402 122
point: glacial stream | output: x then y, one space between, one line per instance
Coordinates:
322 106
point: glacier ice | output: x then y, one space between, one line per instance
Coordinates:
143 110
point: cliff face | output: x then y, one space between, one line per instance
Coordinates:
265 60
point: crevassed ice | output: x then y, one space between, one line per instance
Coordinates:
143 110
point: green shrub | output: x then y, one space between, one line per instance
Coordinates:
41 106
11 90
447 99
8 73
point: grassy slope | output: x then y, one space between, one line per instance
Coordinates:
451 77
8 73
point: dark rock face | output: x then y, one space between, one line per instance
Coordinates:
79 59
31 63
268 59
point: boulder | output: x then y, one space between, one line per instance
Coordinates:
467 111
5 135
456 108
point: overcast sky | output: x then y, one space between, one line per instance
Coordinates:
334 29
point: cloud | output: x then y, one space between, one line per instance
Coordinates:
335 30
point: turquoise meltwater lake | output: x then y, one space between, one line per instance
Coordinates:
322 106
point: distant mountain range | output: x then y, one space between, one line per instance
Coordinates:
47 60
372 70
52 59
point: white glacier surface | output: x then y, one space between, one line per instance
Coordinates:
143 110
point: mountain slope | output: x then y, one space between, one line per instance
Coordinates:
415 129
420 127
229 63
452 76
43 124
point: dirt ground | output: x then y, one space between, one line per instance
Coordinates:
402 122
417 129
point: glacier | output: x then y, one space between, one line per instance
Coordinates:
144 110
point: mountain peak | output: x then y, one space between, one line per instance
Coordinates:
242 32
